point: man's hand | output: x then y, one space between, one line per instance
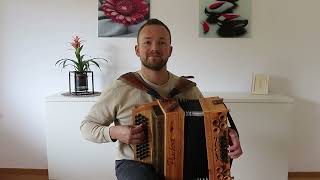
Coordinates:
235 150
127 134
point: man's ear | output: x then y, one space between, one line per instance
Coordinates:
137 50
170 51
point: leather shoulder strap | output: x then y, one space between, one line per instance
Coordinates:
134 80
232 124
183 84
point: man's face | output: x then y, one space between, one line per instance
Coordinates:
154 48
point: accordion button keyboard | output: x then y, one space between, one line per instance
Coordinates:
142 150
223 146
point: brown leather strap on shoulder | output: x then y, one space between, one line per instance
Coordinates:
183 84
134 80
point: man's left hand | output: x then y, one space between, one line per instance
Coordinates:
234 148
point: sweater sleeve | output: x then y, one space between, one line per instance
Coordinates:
95 127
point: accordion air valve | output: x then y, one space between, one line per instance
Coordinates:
185 139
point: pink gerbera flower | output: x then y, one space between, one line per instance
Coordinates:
126 12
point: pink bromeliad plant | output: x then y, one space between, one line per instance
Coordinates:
80 65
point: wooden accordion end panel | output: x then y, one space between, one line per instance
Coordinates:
185 139
151 151
173 139
217 138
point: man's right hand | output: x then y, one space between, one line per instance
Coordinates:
127 134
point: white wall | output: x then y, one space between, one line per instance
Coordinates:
304 82
34 34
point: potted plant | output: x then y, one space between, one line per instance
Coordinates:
81 66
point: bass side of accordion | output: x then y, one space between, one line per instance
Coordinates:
167 147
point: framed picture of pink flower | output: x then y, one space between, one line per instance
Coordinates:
122 18
225 18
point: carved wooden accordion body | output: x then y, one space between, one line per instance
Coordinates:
185 139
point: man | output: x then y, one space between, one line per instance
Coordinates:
110 118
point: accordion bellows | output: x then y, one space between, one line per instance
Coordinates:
184 139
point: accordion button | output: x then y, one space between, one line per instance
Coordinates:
216 131
143 148
219 169
223 125
140 148
226 172
219 176
144 156
222 117
215 123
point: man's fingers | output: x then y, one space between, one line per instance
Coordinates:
232 133
139 135
137 138
136 134
235 154
235 151
233 147
234 140
137 129
136 141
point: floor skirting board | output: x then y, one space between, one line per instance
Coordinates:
304 174
23 171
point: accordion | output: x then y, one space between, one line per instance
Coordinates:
184 139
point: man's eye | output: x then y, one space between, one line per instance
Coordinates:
147 42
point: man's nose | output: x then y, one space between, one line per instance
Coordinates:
155 46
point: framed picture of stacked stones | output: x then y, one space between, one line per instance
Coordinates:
121 18
224 18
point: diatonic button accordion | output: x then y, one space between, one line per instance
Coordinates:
184 139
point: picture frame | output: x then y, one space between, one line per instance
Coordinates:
122 18
225 19
260 84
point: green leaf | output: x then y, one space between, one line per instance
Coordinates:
94 62
100 59
81 57
78 56
80 48
63 63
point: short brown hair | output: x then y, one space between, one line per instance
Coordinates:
153 22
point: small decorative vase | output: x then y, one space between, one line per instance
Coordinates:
81 83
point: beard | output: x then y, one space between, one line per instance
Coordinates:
156 66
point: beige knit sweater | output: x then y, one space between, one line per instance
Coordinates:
114 107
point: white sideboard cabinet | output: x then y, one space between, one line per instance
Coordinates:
263 122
